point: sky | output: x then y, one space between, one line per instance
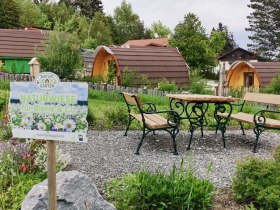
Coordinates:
232 13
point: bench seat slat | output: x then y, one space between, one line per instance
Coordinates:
152 120
249 118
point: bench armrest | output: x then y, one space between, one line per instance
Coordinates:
149 107
241 104
260 117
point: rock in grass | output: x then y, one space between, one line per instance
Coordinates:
75 191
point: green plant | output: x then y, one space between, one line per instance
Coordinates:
274 86
129 77
116 117
15 194
181 189
5 133
166 85
61 55
197 85
258 181
144 81
111 72
4 85
91 119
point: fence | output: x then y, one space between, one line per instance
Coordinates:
240 92
95 86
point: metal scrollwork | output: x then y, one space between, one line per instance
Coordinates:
222 108
260 119
178 106
196 112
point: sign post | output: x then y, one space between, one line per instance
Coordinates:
51 147
51 110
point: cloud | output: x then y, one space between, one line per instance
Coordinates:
210 12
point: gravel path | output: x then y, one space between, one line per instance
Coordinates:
110 154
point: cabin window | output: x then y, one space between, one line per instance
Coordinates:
248 79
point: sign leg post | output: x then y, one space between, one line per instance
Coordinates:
51 147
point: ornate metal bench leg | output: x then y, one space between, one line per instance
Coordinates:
140 143
154 133
241 126
223 130
174 134
258 132
129 122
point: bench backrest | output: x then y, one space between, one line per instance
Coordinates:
262 98
132 99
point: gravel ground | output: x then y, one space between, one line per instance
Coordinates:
110 154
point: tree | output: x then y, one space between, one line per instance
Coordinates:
86 7
128 24
57 14
158 30
31 15
194 45
98 32
230 42
264 24
61 55
218 41
9 14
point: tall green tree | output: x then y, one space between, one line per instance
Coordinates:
194 45
264 25
98 32
61 55
57 14
158 30
128 24
9 14
31 15
230 42
86 7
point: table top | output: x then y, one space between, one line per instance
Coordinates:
202 98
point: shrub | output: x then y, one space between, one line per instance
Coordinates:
197 86
4 85
116 117
258 181
61 55
166 85
181 189
91 119
274 86
129 77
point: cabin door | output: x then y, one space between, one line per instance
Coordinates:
248 79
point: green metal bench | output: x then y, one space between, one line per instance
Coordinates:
151 119
260 118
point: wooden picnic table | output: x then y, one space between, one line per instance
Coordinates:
194 107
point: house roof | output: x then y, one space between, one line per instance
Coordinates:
266 71
222 57
162 42
156 62
16 43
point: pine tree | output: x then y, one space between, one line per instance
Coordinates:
9 14
264 24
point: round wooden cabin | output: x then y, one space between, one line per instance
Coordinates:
251 74
155 62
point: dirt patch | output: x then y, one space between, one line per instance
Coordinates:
224 200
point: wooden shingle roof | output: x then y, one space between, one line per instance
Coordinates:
16 43
156 62
266 71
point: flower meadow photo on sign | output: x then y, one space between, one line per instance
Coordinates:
59 114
